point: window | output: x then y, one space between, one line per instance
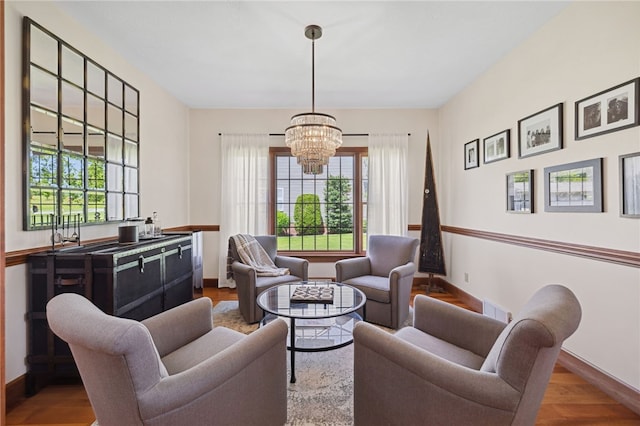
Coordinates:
323 214
81 136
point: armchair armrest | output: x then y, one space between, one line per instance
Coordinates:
354 267
380 357
178 326
402 271
297 266
461 327
259 358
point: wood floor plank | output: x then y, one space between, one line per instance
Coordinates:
569 400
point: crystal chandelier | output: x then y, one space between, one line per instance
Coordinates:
313 137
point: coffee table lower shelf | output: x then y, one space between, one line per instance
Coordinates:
316 334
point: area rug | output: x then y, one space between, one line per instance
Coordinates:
323 392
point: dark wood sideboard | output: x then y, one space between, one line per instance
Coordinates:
131 281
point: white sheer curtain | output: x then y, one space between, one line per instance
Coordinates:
244 193
387 209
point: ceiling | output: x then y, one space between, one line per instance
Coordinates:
254 54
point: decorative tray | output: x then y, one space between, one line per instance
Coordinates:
313 294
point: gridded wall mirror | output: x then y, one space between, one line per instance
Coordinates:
81 133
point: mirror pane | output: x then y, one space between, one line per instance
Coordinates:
95 79
114 206
43 89
130 180
114 90
44 50
115 177
72 205
95 142
130 127
131 205
43 167
96 173
95 111
72 135
72 101
72 66
96 206
44 128
114 120
131 99
72 171
114 148
130 154
42 206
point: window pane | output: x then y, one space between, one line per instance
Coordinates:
96 206
95 142
44 50
72 171
131 99
43 89
114 148
130 127
44 128
95 111
72 101
72 204
315 212
72 135
96 174
42 205
130 153
114 206
114 90
44 167
130 179
114 120
72 66
115 178
95 79
130 205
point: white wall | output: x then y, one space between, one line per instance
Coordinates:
206 206
164 133
587 48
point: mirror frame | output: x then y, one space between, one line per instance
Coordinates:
122 109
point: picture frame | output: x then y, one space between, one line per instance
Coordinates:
541 132
471 154
520 192
574 187
496 147
608 111
630 185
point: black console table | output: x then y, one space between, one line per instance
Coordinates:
126 280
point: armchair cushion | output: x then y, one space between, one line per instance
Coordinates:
373 286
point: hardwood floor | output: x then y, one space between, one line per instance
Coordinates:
569 400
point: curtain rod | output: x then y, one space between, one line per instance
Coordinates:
344 134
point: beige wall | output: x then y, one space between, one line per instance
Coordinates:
587 48
164 133
206 206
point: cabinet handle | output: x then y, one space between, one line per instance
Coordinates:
180 252
141 264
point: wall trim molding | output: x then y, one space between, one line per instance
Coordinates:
620 257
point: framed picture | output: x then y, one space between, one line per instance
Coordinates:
520 192
471 155
610 110
630 185
540 132
574 187
496 147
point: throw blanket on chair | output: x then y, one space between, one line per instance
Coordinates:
253 254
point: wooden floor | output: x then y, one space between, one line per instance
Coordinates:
569 400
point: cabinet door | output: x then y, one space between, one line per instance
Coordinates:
137 286
178 283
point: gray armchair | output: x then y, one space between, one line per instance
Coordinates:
457 367
250 284
174 368
385 276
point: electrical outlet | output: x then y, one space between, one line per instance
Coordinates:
466 277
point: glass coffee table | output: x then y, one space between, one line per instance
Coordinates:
321 315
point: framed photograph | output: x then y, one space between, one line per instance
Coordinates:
540 132
496 147
471 155
574 187
520 192
610 110
630 185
